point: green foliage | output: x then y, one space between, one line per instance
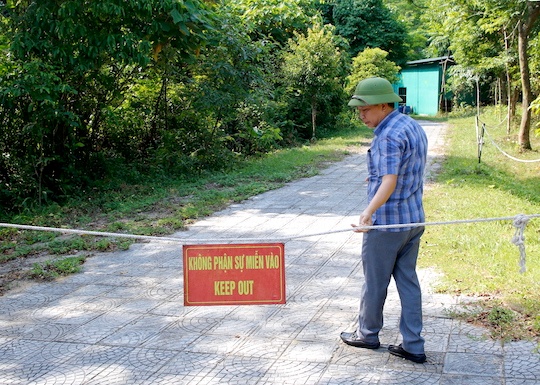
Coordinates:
63 246
371 62
69 62
33 237
132 88
221 112
410 13
535 108
233 91
463 82
369 23
314 68
534 62
502 322
475 29
53 269
501 317
277 20
482 37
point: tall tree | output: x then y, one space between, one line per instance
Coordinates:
371 62
314 69
370 24
276 19
526 22
492 38
409 13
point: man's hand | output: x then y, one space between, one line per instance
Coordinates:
365 220
387 187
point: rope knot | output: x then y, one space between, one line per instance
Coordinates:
520 222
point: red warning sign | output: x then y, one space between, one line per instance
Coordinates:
234 274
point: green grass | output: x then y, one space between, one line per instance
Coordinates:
163 206
476 259
19 244
52 269
479 259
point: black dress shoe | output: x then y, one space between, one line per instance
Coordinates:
400 352
353 340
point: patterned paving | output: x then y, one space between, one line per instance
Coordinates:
122 320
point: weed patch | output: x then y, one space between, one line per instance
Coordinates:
499 320
53 269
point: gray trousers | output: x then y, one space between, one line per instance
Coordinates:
386 254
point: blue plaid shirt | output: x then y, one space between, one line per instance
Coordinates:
399 148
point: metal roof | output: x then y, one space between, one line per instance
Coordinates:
440 60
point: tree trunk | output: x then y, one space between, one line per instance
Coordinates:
524 28
162 97
525 125
313 116
509 90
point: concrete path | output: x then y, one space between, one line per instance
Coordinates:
122 320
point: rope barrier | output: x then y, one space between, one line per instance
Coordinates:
505 153
214 240
519 239
519 221
480 136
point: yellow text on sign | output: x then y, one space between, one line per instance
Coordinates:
239 262
229 287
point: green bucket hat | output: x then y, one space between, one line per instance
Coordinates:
373 91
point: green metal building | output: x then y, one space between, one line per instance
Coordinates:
422 86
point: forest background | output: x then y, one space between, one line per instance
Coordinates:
139 116
96 95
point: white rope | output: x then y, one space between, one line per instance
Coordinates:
214 240
89 232
505 153
520 221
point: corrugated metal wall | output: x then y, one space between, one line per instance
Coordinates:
423 87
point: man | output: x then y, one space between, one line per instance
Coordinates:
396 162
